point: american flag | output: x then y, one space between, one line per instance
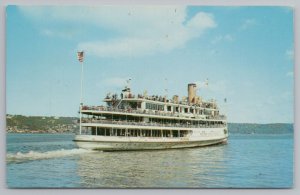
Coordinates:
80 56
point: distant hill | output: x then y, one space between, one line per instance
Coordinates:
273 128
40 124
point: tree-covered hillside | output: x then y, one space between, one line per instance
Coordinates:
19 123
40 124
274 128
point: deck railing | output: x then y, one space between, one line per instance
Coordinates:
186 125
151 112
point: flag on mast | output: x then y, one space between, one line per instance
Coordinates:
80 56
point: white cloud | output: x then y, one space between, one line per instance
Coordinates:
289 54
160 35
248 23
217 39
138 30
220 38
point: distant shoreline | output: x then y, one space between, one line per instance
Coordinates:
69 125
40 133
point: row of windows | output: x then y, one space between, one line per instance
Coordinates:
177 109
154 106
139 132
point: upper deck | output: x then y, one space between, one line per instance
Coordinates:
209 105
156 107
106 111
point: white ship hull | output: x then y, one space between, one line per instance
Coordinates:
200 137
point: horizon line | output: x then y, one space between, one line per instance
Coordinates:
78 117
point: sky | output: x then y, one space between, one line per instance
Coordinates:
246 53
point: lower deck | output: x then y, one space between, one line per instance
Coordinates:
136 139
127 131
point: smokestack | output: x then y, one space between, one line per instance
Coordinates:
192 92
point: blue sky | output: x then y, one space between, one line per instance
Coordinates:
247 53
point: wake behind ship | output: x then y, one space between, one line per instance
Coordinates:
151 122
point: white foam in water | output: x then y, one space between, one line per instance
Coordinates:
33 155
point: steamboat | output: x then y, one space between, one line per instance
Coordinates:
144 122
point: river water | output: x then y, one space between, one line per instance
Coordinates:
53 161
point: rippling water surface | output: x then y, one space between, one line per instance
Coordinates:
53 161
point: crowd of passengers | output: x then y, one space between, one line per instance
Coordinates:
156 98
153 97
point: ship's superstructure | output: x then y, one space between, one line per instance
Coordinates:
133 122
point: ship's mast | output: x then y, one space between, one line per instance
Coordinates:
80 56
128 83
166 88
